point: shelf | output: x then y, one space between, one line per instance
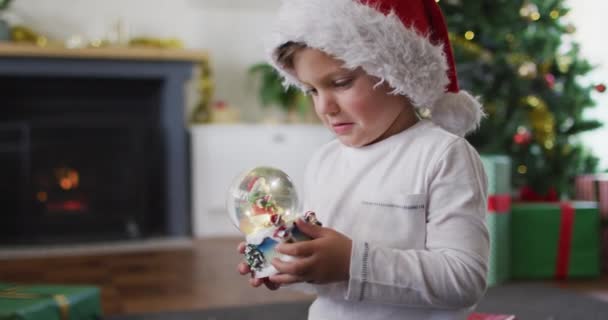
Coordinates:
109 53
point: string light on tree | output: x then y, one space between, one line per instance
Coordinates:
529 11
528 70
601 88
554 14
522 169
471 47
469 35
564 63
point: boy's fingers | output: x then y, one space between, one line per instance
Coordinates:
280 279
297 249
241 247
271 285
310 229
243 268
300 267
256 282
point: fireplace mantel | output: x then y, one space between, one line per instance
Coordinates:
106 53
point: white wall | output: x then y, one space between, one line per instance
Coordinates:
232 31
589 18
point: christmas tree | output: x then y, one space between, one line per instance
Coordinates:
516 55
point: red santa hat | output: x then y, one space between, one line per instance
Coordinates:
402 42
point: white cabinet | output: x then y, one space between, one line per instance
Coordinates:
221 152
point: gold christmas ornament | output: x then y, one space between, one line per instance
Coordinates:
542 121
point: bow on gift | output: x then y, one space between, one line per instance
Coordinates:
62 301
527 194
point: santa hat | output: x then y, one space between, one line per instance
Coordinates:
402 42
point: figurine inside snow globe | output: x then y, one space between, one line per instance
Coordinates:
263 204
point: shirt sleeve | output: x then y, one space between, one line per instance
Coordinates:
450 272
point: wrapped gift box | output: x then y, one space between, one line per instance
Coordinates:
41 302
555 240
604 247
498 170
487 316
593 187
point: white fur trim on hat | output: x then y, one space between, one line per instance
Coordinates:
363 36
459 113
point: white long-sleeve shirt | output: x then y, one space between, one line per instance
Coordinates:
414 205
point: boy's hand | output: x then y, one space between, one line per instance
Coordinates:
324 259
244 269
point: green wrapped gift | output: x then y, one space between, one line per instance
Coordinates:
555 240
499 225
498 170
49 302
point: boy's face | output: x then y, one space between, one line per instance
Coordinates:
347 102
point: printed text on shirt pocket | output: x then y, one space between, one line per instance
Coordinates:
411 202
394 205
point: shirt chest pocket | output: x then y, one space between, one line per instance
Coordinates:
397 221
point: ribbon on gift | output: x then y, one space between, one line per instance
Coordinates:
16 293
565 240
499 203
527 194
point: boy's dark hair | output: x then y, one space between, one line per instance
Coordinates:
284 53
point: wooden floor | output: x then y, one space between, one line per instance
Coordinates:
193 277
197 276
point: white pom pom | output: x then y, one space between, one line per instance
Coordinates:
459 113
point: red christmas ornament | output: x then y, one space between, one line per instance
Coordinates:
522 137
550 80
600 88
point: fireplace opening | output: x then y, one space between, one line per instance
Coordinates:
81 160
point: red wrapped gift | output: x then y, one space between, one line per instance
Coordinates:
593 187
487 316
604 248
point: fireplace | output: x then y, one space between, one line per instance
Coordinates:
89 158
86 180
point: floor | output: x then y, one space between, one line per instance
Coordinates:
200 274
